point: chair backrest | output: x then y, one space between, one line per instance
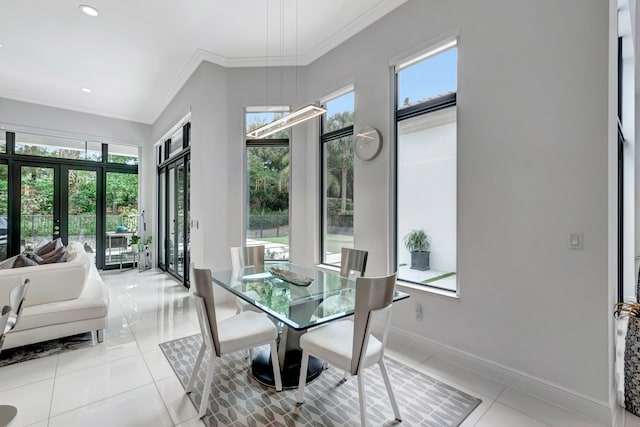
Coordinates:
372 294
243 256
204 290
353 260
4 319
17 298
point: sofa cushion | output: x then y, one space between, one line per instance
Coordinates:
23 261
49 282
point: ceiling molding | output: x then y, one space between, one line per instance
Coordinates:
351 29
77 108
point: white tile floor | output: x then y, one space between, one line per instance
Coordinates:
126 380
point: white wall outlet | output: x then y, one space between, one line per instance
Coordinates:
575 240
419 315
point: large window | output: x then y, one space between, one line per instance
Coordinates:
426 156
53 146
268 177
337 178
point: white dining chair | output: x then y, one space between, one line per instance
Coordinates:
244 256
349 345
9 318
245 330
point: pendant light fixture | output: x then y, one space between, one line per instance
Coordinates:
298 116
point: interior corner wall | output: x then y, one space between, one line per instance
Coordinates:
205 95
532 168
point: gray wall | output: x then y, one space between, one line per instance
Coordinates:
532 167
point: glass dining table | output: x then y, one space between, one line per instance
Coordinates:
296 308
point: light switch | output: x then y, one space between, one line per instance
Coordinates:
575 240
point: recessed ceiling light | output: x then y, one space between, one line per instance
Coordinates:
89 10
86 90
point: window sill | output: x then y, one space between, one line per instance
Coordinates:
329 268
409 287
404 286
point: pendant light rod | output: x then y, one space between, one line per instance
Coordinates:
291 119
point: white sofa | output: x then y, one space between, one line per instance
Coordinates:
63 299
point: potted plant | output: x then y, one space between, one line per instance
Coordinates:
135 243
631 310
418 243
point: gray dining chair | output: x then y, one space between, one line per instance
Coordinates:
244 256
349 345
353 261
9 318
245 330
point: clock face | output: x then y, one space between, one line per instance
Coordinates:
368 143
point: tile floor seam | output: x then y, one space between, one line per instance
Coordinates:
155 383
99 364
485 412
53 388
546 402
98 401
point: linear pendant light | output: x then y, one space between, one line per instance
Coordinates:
291 119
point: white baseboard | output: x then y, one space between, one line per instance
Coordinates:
586 406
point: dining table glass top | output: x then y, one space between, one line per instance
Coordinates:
328 297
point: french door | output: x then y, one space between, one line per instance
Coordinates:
173 215
55 200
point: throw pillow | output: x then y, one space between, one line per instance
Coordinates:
23 261
34 257
8 263
59 255
49 247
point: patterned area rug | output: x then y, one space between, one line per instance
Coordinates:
45 348
237 400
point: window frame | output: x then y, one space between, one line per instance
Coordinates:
256 143
323 139
400 114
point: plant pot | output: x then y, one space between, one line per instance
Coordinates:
632 367
420 261
135 248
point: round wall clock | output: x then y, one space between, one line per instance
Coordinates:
368 143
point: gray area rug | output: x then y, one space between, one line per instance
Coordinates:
237 400
45 348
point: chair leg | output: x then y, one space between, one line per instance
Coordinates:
387 383
196 368
276 366
361 398
100 335
303 377
204 403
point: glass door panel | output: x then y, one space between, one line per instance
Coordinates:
37 206
179 240
4 209
162 206
82 189
171 220
122 216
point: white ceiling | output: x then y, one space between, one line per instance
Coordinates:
135 57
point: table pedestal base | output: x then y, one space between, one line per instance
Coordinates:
290 371
7 413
